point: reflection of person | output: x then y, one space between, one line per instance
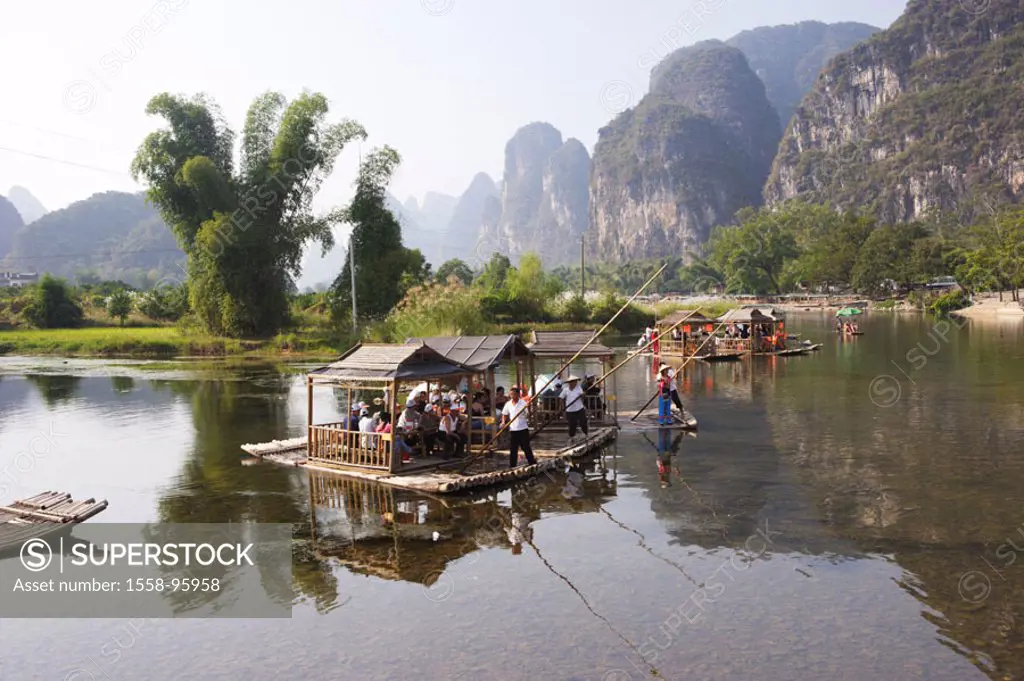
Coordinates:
519 532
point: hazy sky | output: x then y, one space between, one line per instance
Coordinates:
446 82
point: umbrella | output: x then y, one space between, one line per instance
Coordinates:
849 312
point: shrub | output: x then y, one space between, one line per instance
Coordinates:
949 302
433 309
51 305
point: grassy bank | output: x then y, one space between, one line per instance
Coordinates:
154 341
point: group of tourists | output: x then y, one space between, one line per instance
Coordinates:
846 327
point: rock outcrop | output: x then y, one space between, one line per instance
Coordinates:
922 116
790 58
10 222
544 196
693 152
28 205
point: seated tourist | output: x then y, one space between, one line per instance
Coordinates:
677 335
451 435
499 397
353 418
366 425
384 423
429 422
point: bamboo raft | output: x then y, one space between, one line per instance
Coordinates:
546 450
44 514
727 356
282 452
648 419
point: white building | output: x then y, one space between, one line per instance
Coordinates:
18 279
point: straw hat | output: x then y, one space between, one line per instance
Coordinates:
665 368
573 378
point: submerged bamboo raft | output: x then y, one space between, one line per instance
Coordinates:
43 514
495 468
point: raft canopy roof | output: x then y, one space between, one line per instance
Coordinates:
383 363
680 315
479 353
558 344
747 315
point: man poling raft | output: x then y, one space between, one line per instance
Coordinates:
512 418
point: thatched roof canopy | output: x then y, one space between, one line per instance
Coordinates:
747 315
381 363
680 315
565 344
477 352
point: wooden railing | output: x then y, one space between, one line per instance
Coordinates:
551 410
330 445
680 348
733 345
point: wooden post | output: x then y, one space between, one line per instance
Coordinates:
615 400
396 458
494 399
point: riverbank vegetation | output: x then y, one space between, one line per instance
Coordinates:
800 247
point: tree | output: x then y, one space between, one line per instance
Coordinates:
455 268
51 305
830 249
753 255
119 305
888 254
243 229
495 271
385 269
997 260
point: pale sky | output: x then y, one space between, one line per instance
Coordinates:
446 82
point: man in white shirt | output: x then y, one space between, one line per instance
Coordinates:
519 430
575 409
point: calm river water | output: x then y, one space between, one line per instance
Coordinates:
853 514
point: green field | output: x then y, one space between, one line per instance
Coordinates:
154 341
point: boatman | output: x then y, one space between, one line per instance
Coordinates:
675 392
664 398
519 430
575 409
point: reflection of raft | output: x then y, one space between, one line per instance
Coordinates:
725 356
790 352
649 419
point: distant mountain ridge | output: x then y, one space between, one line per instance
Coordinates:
112 235
28 205
923 116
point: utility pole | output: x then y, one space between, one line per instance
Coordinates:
583 268
352 270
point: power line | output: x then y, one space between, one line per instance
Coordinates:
59 160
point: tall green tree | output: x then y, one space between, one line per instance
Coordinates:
753 255
888 254
119 305
243 228
455 268
52 305
385 269
830 249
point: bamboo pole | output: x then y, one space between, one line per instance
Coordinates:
611 372
490 445
683 366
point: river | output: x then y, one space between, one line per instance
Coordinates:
851 514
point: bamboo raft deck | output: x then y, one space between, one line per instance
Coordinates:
43 514
726 356
436 475
648 420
